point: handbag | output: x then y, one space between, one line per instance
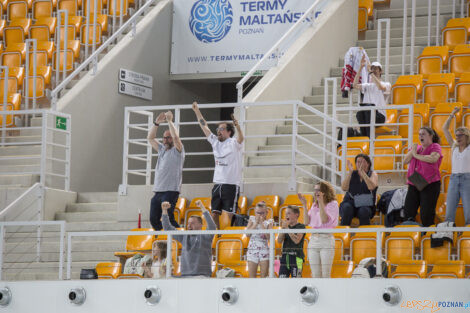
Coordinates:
418 181
363 200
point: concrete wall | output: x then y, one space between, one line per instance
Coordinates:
56 201
97 108
306 63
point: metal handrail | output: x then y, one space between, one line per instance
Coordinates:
275 48
94 56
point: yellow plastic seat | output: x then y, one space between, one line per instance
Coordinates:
463 246
272 203
129 276
114 7
390 148
407 89
432 60
101 19
448 269
108 270
363 245
179 208
459 214
3 23
42 34
242 204
411 269
420 118
40 87
462 90
42 68
14 104
365 11
456 32
13 61
230 248
466 118
193 211
99 6
459 61
433 255
206 201
354 146
13 38
73 18
438 88
446 164
17 15
64 56
136 244
72 43
42 14
439 117
342 269
342 241
400 247
98 35
294 200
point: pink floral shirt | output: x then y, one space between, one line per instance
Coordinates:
331 209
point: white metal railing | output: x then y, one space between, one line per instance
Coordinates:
27 207
54 140
12 265
387 45
138 155
379 233
275 50
93 58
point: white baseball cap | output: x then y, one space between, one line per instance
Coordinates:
376 64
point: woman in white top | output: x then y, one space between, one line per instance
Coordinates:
158 269
459 184
258 248
375 94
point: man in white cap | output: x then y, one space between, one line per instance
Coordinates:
375 94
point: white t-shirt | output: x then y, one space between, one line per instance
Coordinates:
228 160
461 161
372 94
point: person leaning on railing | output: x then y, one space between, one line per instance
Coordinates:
196 253
424 178
361 190
459 184
374 95
322 215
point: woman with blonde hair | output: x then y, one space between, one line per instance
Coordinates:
459 184
322 215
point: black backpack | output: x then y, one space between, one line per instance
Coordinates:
239 220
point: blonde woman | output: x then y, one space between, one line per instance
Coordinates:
459 184
258 249
322 215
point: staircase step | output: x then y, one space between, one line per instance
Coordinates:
398 32
20 150
421 41
87 197
91 207
86 216
421 21
20 168
20 179
421 11
103 226
29 159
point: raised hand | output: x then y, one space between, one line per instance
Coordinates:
302 199
414 148
165 206
201 206
455 111
350 166
283 224
235 121
160 118
363 61
169 116
195 107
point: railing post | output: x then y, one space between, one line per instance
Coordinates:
326 94
43 148
333 115
429 21
462 8
405 33
412 40
410 125
293 180
5 102
148 169
378 256
453 10
125 155
438 4
69 256
68 153
169 264
2 237
373 116
61 250
242 123
41 197
271 255
344 152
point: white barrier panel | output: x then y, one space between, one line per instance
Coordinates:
254 295
211 36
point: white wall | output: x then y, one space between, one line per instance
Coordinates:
306 63
255 295
98 110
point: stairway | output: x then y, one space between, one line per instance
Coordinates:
316 99
94 211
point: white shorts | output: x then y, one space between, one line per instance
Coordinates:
257 251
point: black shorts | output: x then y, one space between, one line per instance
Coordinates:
225 197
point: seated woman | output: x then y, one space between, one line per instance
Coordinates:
322 214
361 188
258 248
459 184
424 178
158 269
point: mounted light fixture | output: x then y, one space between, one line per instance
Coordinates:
229 295
77 296
5 296
309 295
152 295
391 295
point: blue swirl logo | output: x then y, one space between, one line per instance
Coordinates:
210 20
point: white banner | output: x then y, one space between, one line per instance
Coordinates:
214 36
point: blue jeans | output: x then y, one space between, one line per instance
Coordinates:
459 187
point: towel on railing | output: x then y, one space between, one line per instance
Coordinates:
352 63
438 238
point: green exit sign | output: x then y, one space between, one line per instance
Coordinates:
60 123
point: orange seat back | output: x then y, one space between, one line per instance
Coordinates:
108 269
140 242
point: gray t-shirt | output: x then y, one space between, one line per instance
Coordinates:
169 169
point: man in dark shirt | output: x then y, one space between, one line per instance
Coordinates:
292 245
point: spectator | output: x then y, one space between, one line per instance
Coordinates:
196 254
424 179
459 184
361 188
228 153
322 215
292 258
158 269
168 171
258 248
375 93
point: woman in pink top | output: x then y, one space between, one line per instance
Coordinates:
323 214
425 160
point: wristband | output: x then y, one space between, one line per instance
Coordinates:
156 124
